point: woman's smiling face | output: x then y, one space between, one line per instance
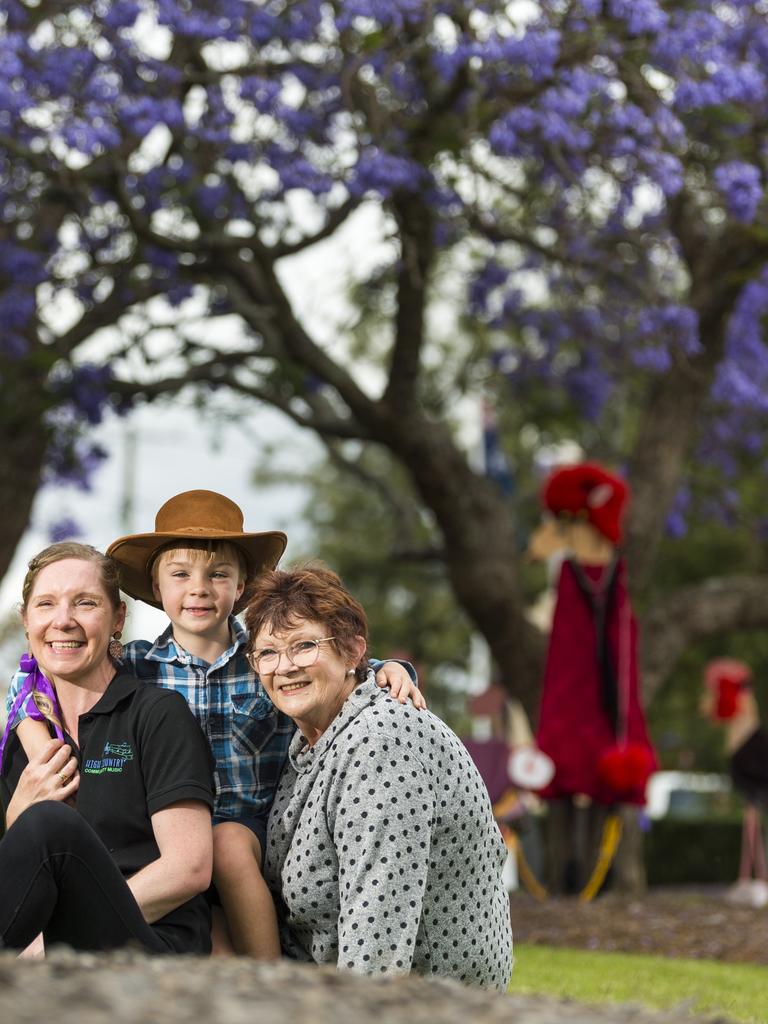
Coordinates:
69 619
311 696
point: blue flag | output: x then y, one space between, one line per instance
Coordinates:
495 461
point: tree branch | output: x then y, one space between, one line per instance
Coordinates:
714 606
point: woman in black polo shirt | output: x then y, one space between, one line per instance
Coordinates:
108 831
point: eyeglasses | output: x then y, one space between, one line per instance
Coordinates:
301 654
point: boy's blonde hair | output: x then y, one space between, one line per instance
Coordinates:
210 549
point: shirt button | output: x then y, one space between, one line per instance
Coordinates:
87 718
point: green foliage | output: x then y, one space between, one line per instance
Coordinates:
692 852
735 991
685 740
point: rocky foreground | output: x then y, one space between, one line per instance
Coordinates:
69 988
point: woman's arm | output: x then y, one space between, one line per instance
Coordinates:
184 836
33 736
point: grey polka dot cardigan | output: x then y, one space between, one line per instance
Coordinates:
382 851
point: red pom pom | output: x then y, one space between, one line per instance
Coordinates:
625 769
588 491
727 699
727 678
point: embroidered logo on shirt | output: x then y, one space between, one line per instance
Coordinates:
113 759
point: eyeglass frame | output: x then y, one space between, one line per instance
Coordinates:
253 656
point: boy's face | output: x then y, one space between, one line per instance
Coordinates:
197 591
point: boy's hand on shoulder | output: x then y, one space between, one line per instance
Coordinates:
393 675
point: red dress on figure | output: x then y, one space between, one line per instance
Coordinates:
590 699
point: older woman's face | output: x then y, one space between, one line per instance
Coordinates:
69 620
311 696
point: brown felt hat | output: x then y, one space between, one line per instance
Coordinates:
193 515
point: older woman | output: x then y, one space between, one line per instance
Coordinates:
382 851
108 831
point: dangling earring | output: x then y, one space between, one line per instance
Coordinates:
115 648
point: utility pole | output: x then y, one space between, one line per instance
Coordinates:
130 447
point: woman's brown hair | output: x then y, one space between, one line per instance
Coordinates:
108 570
281 599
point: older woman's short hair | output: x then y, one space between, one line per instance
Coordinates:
281 599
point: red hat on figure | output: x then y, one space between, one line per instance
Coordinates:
588 491
727 678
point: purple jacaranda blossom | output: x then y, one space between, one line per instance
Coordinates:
17 307
742 188
21 265
742 376
641 16
16 14
297 172
677 517
664 170
263 93
176 294
393 14
589 386
88 386
654 357
220 19
487 279
676 325
121 13
383 173
532 55
166 261
71 458
63 70
13 345
65 528
212 199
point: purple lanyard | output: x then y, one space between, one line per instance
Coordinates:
34 683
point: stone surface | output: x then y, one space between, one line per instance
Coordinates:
129 988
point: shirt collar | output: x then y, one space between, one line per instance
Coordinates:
303 757
166 649
122 686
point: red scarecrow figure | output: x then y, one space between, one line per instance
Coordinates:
729 700
591 722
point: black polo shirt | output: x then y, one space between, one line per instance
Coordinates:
141 750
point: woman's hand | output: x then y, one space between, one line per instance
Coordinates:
393 675
34 950
50 775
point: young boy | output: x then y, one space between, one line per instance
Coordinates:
196 566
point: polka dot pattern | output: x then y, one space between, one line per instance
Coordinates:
383 850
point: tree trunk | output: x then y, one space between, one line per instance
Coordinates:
24 442
480 548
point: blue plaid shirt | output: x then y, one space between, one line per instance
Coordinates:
249 737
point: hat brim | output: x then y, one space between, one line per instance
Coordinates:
134 556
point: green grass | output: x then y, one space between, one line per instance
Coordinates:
736 991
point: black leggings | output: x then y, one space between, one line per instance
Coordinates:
58 878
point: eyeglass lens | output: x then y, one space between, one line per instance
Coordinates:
302 654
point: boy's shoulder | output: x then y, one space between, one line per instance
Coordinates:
138 648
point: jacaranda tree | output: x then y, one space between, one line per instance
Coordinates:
593 172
